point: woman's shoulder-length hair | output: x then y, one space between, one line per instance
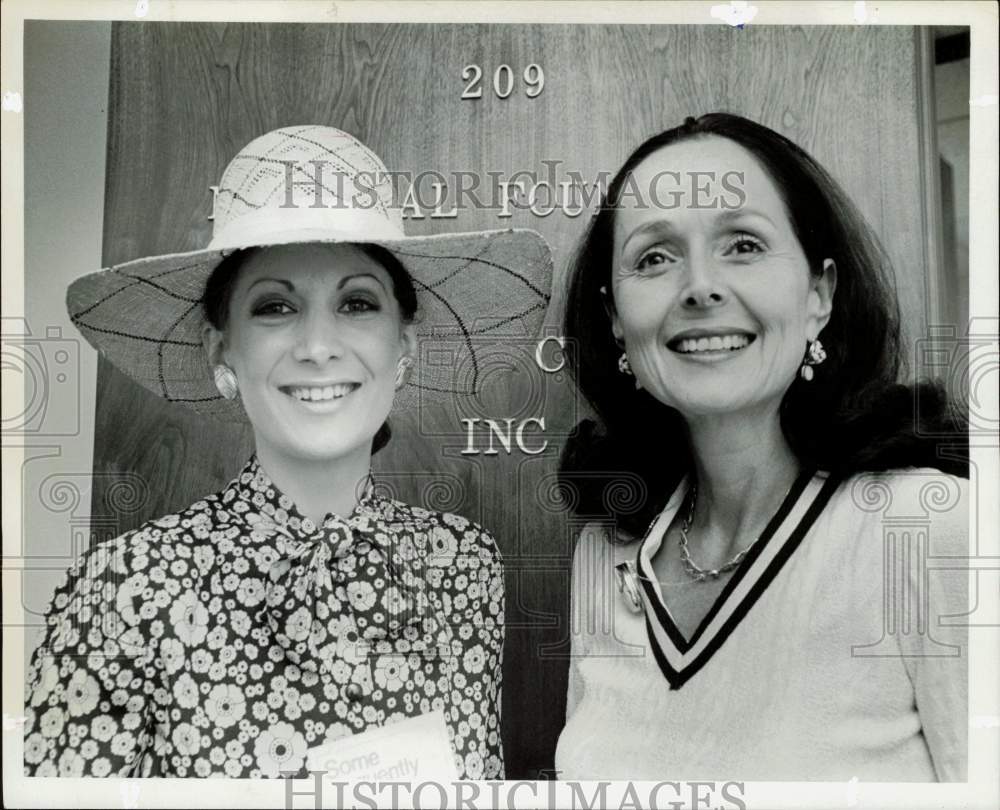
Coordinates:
855 415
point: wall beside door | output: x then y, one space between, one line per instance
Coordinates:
65 124
184 98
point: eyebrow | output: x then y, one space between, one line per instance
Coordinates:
654 226
730 214
725 217
291 287
283 282
345 279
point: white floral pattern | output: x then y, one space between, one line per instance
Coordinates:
232 637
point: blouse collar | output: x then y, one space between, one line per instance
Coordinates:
259 501
313 561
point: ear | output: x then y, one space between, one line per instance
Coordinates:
408 341
609 307
214 342
823 288
616 327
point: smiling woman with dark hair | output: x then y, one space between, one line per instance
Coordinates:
744 366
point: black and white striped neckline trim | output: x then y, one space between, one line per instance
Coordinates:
679 658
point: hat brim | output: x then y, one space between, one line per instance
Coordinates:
473 289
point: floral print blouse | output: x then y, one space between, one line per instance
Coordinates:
231 638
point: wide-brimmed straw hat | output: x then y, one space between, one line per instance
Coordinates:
308 184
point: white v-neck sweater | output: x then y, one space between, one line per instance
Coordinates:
852 661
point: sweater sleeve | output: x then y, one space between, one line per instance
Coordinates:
574 689
88 685
936 655
589 558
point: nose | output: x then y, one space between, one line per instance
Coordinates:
318 339
702 285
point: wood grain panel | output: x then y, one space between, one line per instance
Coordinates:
185 97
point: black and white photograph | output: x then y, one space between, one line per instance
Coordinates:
500 405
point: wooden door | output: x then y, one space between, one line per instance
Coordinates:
184 98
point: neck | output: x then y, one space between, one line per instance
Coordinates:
318 487
744 467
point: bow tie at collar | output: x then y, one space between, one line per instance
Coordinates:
358 580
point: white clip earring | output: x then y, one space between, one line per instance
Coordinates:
225 381
401 371
624 366
815 354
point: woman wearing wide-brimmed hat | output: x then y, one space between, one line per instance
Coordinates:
298 605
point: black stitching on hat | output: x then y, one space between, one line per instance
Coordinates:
142 338
437 390
159 349
267 199
160 287
505 321
239 197
221 255
458 269
247 178
507 270
304 139
194 399
461 325
337 155
135 280
312 178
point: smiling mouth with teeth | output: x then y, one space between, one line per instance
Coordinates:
715 343
320 393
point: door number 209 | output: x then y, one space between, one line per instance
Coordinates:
503 81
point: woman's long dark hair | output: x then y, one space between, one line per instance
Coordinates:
854 416
221 283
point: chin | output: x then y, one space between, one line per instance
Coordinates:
715 404
325 444
332 451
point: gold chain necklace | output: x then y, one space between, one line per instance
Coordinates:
690 566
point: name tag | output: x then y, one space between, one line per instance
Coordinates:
415 749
